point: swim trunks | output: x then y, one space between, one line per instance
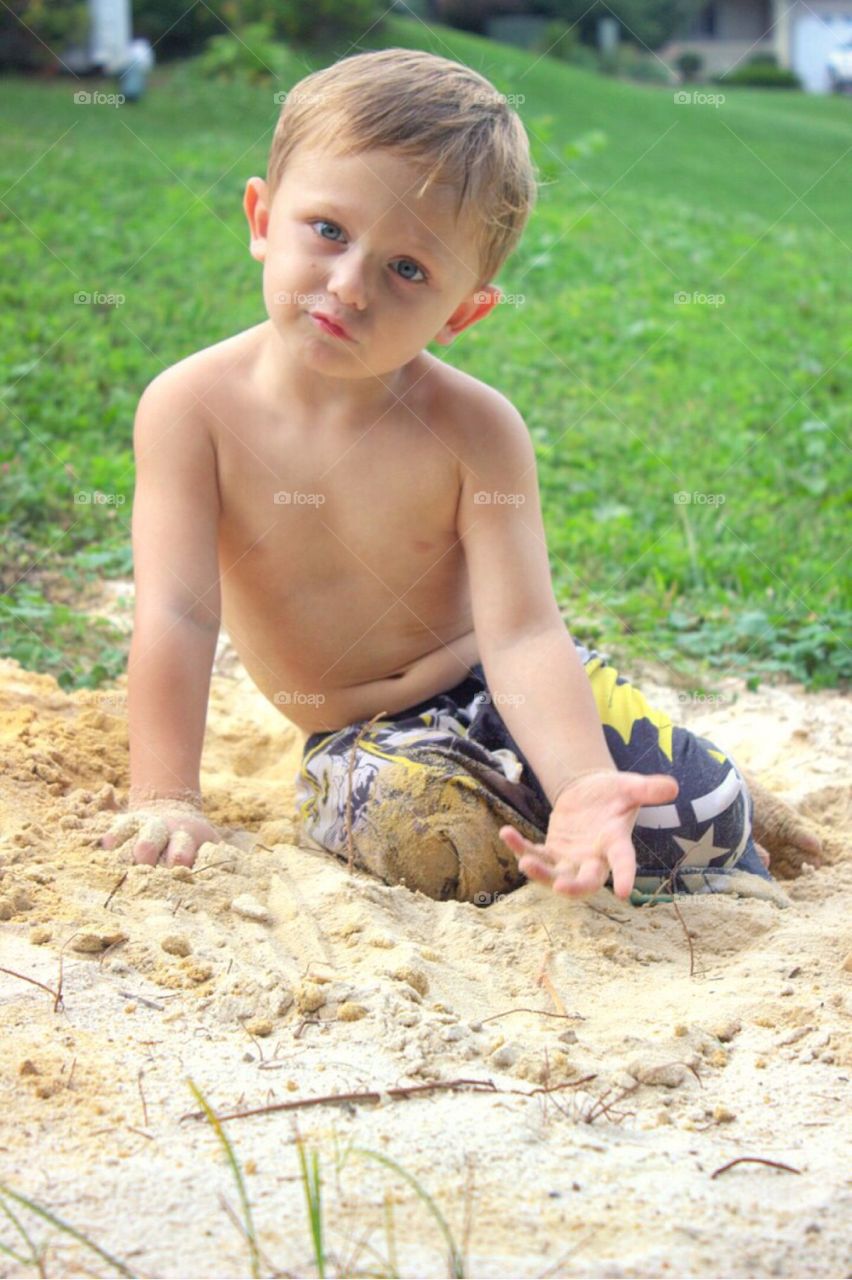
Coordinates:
419 797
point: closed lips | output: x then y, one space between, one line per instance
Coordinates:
333 325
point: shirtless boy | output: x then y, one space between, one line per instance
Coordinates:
365 520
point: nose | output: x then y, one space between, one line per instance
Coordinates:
347 280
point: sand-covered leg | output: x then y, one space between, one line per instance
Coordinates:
437 834
786 837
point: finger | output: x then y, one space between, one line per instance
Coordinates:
153 838
120 832
181 850
807 840
588 879
535 869
518 843
622 860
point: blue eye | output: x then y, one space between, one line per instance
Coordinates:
406 262
321 222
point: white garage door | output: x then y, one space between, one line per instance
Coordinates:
813 40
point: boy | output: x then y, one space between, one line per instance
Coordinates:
366 520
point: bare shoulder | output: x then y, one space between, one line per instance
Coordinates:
206 378
482 419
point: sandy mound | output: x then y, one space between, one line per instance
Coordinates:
268 974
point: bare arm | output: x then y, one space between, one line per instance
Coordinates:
168 686
531 665
543 693
537 679
177 614
175 527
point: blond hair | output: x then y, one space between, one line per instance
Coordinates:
425 108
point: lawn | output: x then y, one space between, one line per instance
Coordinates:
734 396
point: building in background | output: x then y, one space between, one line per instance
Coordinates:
800 34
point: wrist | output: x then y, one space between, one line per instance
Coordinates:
156 798
568 783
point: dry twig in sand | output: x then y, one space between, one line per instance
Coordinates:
545 1013
398 1091
773 1164
57 995
114 890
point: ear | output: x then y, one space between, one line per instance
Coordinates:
474 307
256 205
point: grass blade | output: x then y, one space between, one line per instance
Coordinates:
56 1221
4 1248
313 1195
21 1230
216 1125
456 1260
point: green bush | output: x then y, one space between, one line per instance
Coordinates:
253 57
179 31
33 33
334 24
558 40
650 23
630 63
761 75
689 63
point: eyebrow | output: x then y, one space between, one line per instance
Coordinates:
432 247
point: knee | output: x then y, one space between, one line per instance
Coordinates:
436 834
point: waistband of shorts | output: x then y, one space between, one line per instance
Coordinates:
460 694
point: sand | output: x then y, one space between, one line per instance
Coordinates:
613 1081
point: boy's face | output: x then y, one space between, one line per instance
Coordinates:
348 238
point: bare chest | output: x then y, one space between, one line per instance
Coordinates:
380 502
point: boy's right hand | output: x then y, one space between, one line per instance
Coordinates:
167 831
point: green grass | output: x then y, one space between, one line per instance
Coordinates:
629 396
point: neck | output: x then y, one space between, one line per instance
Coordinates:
314 394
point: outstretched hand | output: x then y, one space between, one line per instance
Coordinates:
590 832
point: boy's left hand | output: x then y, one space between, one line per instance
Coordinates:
589 833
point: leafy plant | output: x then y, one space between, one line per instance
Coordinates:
761 75
33 33
253 56
689 63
